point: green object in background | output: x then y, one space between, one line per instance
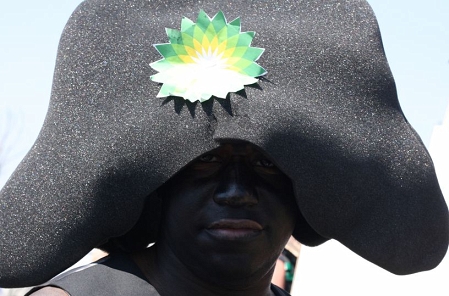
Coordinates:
289 272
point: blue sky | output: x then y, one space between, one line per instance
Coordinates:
416 40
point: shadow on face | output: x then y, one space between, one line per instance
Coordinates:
230 208
219 199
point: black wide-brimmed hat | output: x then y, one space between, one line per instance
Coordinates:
326 112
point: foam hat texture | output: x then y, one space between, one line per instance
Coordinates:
327 113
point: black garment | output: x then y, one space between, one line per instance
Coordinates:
116 274
113 275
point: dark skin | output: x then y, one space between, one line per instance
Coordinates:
227 217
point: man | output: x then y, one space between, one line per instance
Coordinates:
226 218
320 104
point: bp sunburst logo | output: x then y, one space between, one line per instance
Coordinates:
208 58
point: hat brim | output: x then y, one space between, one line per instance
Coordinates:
326 112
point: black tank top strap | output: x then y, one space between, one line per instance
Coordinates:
116 274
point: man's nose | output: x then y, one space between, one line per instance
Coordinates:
236 187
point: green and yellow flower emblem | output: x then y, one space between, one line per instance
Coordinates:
208 58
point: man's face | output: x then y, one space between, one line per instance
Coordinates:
228 214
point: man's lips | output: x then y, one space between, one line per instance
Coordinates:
234 229
235 224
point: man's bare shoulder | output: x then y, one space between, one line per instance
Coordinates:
50 291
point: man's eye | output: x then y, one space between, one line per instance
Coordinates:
264 163
209 158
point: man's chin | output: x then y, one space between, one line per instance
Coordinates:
235 271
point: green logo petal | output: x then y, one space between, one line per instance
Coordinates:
208 58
